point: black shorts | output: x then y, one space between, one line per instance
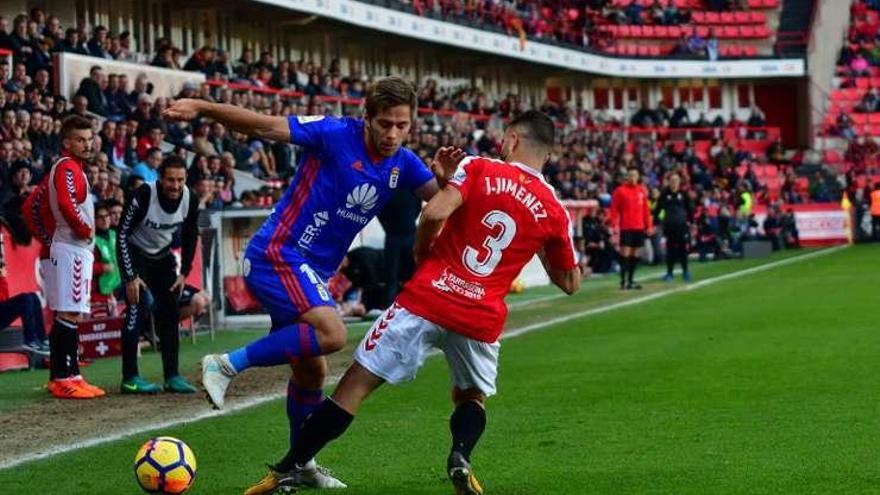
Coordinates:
186 295
677 235
632 238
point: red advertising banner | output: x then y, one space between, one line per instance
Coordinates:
818 224
100 338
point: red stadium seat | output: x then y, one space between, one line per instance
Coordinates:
762 32
712 18
624 31
860 118
635 31
661 31
648 32
703 31
747 31
750 51
642 50
758 17
727 18
874 118
729 32
734 51
770 4
742 17
631 50
654 51
863 82
698 17
674 32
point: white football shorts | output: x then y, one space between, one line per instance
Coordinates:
398 343
71 278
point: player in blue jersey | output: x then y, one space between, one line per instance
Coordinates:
348 171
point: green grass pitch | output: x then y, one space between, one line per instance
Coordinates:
760 384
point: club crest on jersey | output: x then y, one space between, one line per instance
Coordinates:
395 174
357 165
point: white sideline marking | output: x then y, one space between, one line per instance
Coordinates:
256 401
607 279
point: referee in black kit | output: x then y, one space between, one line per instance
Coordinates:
675 210
152 215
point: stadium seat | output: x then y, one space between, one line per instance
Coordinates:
703 31
648 32
758 18
238 295
624 31
661 32
727 18
698 17
874 118
712 18
750 51
730 32
762 32
742 17
747 31
635 31
674 32
860 118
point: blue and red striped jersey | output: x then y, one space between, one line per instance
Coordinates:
336 191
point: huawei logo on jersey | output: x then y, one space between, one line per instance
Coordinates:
363 196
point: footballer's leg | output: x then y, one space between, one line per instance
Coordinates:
466 424
305 325
304 394
328 422
473 366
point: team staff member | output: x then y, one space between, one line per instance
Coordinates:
676 210
151 216
632 223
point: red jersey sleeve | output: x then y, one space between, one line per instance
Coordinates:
614 214
465 176
70 186
559 248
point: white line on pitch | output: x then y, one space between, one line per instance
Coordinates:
332 380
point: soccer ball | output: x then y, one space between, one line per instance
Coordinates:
165 465
517 286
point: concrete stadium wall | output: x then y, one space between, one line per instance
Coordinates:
827 37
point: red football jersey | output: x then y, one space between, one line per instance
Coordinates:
508 214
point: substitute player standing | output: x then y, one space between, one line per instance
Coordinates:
71 255
500 214
152 216
631 222
348 172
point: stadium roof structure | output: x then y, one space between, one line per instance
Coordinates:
401 23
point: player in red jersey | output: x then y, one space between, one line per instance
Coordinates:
631 223
495 216
70 257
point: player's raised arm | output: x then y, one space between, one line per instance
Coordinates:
434 215
236 118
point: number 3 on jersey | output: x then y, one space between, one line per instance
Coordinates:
494 244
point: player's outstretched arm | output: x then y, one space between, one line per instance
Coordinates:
567 280
236 118
434 215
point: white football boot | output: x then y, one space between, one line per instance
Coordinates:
314 476
217 374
